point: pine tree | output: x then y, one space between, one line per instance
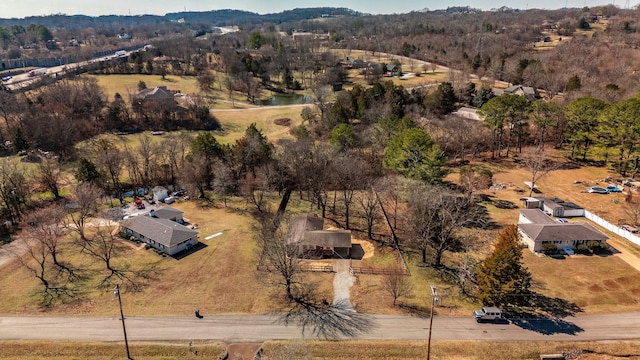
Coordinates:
502 279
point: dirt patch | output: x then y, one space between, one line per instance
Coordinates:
368 247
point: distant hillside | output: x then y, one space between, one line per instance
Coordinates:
215 17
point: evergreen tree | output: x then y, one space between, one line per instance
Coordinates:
414 154
502 279
87 171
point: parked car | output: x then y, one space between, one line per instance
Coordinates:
569 251
139 204
564 221
169 200
598 190
613 189
487 313
150 200
178 193
7 78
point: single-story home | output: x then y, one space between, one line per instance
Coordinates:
308 234
169 213
162 234
554 206
537 229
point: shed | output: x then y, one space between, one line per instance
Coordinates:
160 193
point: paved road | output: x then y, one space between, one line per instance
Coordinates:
257 328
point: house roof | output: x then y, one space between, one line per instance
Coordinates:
167 212
328 238
562 232
536 216
309 230
156 93
163 231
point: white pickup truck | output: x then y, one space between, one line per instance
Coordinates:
488 314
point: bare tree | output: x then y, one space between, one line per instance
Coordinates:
369 209
436 219
104 246
49 176
277 256
14 189
348 172
85 197
47 227
397 285
539 163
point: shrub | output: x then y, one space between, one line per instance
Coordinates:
596 246
582 249
549 248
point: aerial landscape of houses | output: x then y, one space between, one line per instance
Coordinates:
319 182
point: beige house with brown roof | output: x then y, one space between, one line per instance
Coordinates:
308 234
537 229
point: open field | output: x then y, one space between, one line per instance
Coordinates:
355 349
219 278
128 84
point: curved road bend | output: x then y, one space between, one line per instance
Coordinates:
257 328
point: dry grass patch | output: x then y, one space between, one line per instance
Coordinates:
455 350
33 350
128 84
596 284
219 278
234 123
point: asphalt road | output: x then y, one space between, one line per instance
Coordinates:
257 328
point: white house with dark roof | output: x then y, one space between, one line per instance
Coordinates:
161 232
537 229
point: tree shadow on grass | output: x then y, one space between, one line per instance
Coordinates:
546 316
414 310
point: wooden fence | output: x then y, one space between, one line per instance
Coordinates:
308 268
377 271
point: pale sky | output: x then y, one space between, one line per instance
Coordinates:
23 8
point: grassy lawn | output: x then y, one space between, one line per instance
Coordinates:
234 123
128 84
455 350
220 278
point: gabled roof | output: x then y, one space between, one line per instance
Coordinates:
163 231
537 216
308 230
167 212
562 232
156 93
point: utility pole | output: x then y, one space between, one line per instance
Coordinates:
116 293
434 301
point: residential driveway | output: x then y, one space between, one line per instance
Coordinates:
342 282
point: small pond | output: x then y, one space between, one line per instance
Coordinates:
286 99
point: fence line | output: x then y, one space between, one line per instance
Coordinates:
377 271
309 268
613 228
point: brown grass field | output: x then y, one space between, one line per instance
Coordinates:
355 349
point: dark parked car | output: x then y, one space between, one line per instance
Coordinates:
178 193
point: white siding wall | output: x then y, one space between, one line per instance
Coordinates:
528 241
